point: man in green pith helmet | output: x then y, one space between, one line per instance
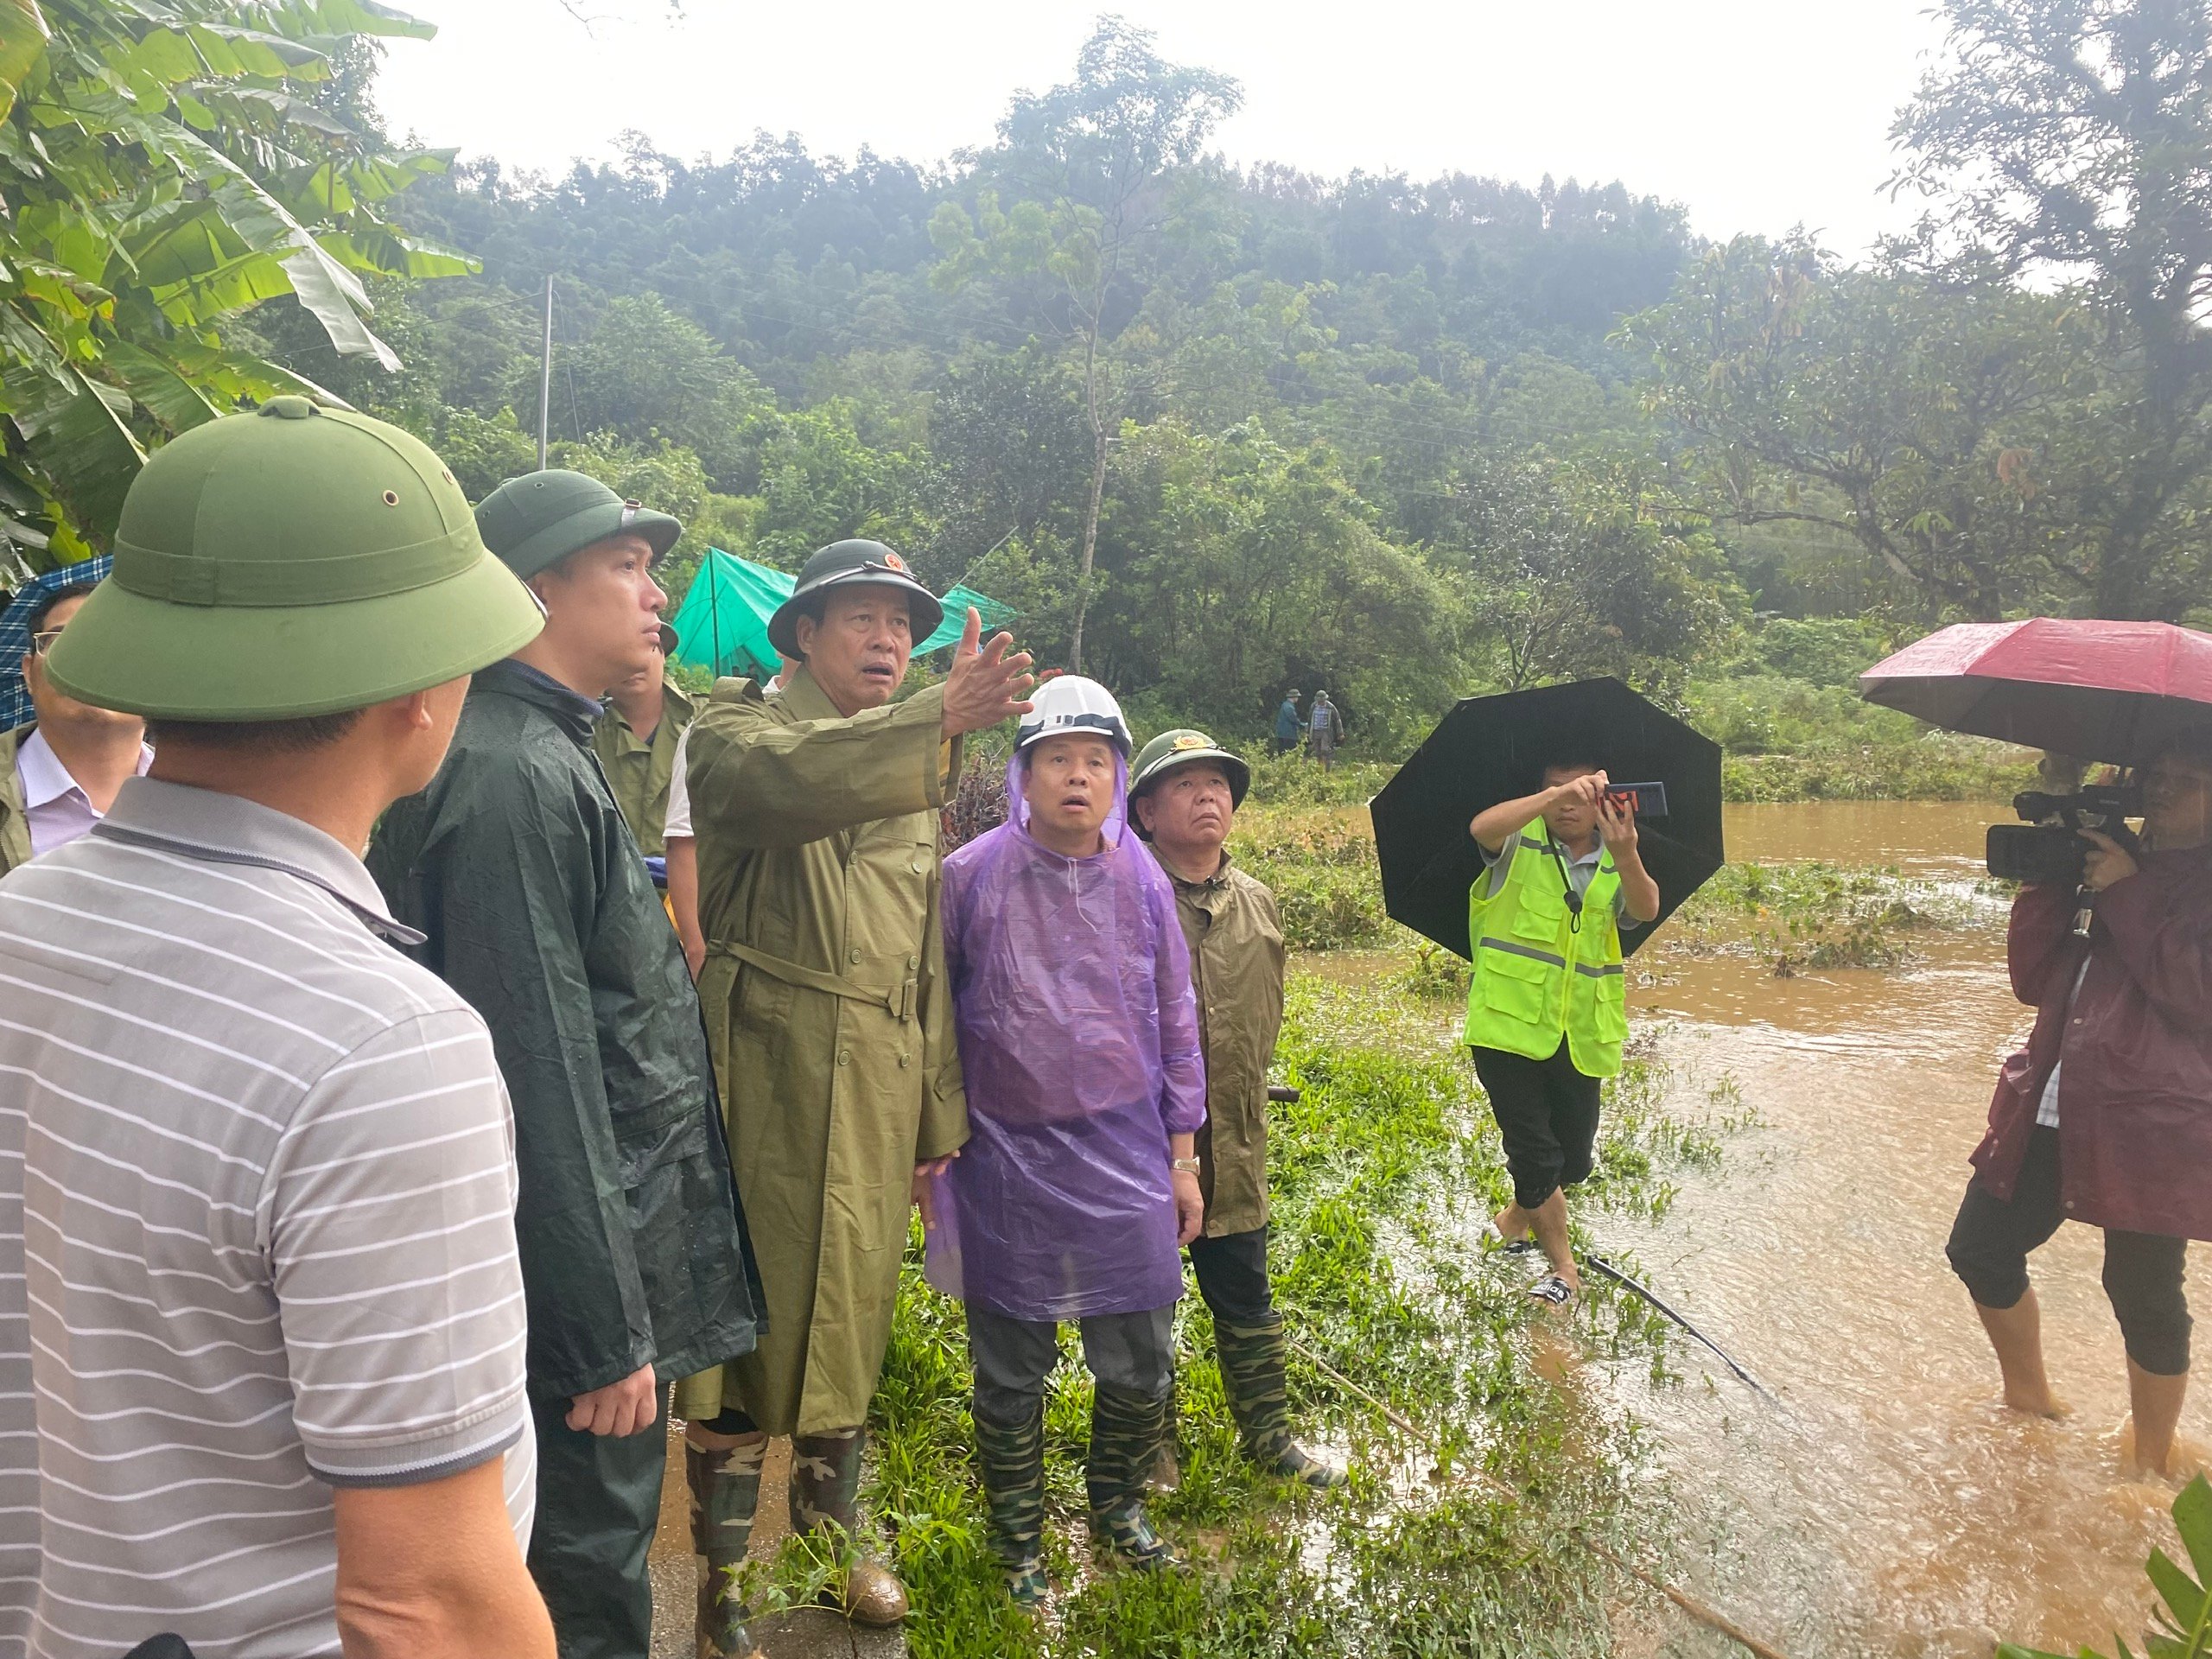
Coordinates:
815 814
273 1319
517 864
1183 793
636 740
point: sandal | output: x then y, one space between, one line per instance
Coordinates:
1552 1291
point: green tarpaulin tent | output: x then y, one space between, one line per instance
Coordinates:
722 625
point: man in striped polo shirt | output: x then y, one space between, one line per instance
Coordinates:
261 1316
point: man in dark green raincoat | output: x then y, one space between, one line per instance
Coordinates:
517 864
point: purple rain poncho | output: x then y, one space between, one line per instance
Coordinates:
1079 1040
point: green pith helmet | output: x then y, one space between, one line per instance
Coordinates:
540 518
1179 748
855 562
294 561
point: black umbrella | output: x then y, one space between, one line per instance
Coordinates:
1491 749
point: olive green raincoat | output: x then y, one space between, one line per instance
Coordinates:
538 909
1237 968
14 826
831 1020
638 773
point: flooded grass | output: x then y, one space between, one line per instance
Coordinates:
1382 1173
1812 916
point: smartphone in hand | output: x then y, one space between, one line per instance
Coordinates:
1645 800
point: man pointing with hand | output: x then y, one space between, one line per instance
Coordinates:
816 817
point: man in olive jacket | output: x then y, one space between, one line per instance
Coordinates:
538 909
816 817
1183 793
635 741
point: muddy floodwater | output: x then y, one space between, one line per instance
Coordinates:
1886 1506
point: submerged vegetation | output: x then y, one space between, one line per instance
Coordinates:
1814 916
1383 1171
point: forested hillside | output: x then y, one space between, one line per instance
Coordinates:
1219 433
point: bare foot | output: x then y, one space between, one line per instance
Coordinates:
2036 1403
1510 1224
2185 1458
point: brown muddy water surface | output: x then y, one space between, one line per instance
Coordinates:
1887 1505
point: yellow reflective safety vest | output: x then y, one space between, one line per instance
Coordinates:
1538 974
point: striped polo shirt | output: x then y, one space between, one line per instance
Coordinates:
256 1231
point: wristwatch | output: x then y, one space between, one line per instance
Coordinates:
1184 1165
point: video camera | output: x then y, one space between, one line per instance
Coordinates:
2048 846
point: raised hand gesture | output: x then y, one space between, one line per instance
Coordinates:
985 685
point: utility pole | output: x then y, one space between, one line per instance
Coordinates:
545 378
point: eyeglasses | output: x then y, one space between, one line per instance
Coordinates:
42 643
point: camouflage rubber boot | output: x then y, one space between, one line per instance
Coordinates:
1164 1472
1252 1372
724 1491
825 1490
1125 1429
1011 1462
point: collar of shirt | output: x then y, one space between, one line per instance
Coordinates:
220 828
1575 861
576 712
45 779
1213 883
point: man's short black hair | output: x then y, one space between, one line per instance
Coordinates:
1575 763
44 608
245 737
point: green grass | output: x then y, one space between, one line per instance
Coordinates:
1320 864
1297 779
1792 739
1382 1172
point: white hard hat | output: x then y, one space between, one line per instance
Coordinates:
1067 704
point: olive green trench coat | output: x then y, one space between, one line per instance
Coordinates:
1237 968
830 1020
14 826
638 774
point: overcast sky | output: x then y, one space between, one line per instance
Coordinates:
1755 115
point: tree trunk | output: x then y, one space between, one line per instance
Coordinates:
1090 547
1098 440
